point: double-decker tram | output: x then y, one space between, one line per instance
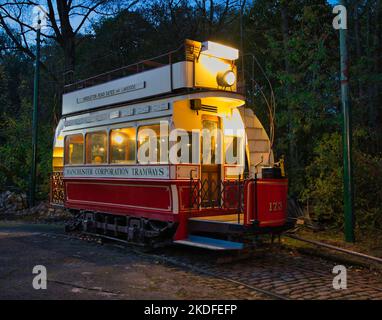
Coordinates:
165 151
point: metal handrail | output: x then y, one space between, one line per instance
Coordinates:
69 87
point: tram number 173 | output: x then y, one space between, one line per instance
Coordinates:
275 206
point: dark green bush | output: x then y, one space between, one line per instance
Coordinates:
324 191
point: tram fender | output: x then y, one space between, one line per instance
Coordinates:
182 229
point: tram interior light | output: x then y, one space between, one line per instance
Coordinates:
118 139
219 50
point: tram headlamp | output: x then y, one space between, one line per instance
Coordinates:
226 79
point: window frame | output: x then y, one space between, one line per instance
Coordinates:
105 130
66 145
135 149
152 123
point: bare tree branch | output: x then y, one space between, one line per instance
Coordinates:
16 20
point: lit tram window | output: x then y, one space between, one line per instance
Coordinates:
185 145
96 147
151 142
74 149
122 145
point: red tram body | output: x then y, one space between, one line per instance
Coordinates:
206 201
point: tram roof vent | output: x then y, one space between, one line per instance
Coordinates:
213 109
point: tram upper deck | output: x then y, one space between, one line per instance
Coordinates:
204 66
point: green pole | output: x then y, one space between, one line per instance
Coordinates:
347 137
34 120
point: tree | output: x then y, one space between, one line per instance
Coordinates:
65 20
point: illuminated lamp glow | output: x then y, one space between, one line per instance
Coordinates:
226 79
118 139
214 65
219 50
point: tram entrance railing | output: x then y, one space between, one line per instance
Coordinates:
217 194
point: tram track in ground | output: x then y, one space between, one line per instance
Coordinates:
362 256
336 248
174 262
283 274
182 264
351 281
277 275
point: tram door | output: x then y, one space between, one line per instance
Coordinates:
210 168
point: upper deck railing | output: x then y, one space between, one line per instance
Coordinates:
186 52
183 53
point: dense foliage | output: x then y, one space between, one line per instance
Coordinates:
294 43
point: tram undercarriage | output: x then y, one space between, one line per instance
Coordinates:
130 229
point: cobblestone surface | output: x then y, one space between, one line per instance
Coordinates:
293 276
88 270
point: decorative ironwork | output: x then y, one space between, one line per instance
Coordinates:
221 194
57 189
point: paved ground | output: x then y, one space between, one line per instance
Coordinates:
87 270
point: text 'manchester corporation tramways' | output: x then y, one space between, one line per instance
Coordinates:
152 172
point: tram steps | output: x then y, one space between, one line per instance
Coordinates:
210 243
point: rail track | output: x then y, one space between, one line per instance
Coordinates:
203 271
274 274
335 248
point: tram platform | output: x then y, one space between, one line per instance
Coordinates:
224 218
223 224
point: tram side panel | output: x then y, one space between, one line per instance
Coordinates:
148 199
265 202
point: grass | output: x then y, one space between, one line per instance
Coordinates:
367 242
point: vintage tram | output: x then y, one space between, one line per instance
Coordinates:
165 151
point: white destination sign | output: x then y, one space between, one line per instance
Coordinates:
152 172
112 92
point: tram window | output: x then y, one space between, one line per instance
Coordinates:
96 147
185 157
209 141
150 144
122 145
74 149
